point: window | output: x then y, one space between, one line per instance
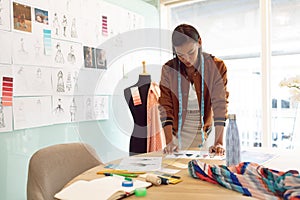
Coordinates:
231 31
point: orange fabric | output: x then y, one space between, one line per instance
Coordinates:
155 134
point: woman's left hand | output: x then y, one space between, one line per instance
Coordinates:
218 150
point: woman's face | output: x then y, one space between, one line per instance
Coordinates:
188 53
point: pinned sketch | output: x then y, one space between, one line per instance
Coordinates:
22 17
90 34
65 81
41 16
67 109
4 15
64 26
32 112
101 107
95 108
5 41
187 154
32 80
29 50
67 54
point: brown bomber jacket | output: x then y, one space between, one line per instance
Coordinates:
215 92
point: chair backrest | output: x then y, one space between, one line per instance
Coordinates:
51 168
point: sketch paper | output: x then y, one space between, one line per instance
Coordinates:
65 26
31 80
29 50
67 54
65 81
257 157
141 163
67 109
32 112
194 155
5 15
90 34
96 108
22 19
5 41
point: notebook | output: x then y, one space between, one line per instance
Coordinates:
109 187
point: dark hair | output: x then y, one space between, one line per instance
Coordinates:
184 32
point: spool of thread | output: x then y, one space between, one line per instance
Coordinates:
153 179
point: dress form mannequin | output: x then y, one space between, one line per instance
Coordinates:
138 140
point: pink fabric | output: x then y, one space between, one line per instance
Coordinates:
155 134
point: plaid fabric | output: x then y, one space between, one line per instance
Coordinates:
250 179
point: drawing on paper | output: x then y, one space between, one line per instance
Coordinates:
73 109
60 82
22 47
75 80
56 25
59 109
89 109
64 25
41 16
74 29
37 48
71 55
22 17
69 81
2 122
59 57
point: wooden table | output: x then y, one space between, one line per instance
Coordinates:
191 188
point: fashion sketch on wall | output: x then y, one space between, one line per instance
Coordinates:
32 112
67 54
31 80
67 108
4 15
28 49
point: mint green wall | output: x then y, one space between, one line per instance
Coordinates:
110 142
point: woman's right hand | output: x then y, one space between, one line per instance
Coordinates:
170 148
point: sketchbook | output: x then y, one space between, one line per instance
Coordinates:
109 188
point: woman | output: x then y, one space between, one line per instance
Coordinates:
189 104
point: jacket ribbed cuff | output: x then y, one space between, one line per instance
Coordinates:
220 121
166 121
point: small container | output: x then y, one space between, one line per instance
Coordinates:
233 151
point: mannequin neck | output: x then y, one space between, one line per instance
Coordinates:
144 79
